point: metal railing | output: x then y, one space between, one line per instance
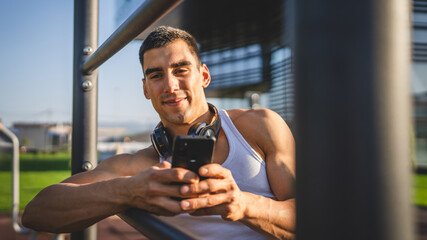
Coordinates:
85 88
15 187
151 226
148 13
352 67
15 180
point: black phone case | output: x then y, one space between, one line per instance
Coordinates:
192 151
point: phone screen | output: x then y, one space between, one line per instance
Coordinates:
192 152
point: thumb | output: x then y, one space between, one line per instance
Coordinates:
164 165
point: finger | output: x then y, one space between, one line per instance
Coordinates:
163 165
163 206
205 202
223 210
168 204
208 186
214 171
160 189
175 175
216 210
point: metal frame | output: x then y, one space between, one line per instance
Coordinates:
353 120
85 77
148 13
85 97
15 180
151 226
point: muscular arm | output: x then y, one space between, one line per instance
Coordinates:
274 218
69 207
116 184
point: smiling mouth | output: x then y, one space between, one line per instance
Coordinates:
173 102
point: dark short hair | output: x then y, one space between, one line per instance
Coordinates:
164 35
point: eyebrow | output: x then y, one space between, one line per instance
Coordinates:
174 65
180 64
151 70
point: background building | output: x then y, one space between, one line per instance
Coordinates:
247 45
43 136
419 78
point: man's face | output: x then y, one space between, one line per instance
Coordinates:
174 81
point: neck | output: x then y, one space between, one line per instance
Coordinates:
205 116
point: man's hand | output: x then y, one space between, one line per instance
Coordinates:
218 195
153 188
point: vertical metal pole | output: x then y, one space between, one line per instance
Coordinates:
15 180
353 120
85 99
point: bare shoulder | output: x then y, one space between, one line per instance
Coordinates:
249 115
262 128
260 121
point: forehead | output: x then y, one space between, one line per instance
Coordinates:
174 52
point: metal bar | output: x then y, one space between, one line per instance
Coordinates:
15 180
353 115
85 97
148 13
152 227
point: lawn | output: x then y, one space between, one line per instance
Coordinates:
31 182
41 170
36 172
420 190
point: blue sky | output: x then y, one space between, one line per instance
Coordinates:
36 55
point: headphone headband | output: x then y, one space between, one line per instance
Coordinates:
163 142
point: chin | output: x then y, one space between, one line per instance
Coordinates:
176 118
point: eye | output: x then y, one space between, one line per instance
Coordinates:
180 71
155 76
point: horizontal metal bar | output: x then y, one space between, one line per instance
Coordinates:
152 227
148 13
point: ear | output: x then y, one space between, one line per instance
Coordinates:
206 76
144 85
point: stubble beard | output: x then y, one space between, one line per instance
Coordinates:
178 118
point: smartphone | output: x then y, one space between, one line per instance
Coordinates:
192 152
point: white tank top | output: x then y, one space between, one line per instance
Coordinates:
248 170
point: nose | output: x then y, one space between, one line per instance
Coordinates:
171 83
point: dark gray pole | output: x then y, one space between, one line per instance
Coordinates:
353 120
85 90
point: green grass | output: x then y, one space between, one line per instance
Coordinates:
31 182
37 171
41 170
420 190
37 161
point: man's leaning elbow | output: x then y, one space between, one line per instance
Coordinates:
29 220
31 223
26 220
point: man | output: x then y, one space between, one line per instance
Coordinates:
249 191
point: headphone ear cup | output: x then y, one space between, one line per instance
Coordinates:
161 141
195 129
207 131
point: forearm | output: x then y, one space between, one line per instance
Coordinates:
67 207
274 219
